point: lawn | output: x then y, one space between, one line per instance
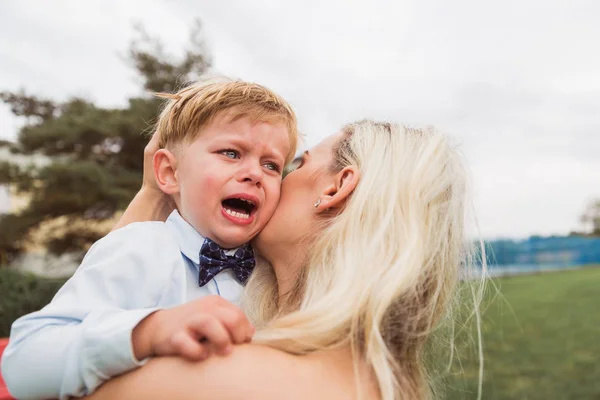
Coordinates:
21 294
541 340
541 335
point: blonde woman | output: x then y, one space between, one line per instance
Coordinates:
361 262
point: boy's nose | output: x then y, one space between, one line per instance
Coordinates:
252 173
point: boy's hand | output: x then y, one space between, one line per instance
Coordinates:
192 330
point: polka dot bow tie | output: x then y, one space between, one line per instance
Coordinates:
214 260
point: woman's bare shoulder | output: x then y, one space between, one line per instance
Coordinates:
249 372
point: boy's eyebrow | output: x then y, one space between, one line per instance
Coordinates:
277 154
236 140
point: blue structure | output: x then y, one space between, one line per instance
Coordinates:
543 252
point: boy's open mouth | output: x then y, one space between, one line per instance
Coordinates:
239 207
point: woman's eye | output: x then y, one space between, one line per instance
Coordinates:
230 154
302 160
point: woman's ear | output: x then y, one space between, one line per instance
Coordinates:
165 171
336 194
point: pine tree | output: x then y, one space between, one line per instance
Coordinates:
95 152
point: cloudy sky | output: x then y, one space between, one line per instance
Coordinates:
517 82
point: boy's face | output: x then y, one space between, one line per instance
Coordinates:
229 178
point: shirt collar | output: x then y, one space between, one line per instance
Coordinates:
189 240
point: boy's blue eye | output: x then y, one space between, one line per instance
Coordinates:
272 166
230 154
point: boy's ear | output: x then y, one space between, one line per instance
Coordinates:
165 171
336 194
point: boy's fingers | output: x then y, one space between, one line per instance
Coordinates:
236 322
213 330
186 346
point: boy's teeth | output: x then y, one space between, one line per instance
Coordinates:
237 214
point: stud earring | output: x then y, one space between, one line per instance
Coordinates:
317 203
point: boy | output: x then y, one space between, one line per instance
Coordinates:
223 147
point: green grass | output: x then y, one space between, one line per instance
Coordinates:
541 338
21 294
541 335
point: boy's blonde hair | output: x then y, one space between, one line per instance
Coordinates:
197 105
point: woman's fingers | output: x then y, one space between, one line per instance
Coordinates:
149 150
152 146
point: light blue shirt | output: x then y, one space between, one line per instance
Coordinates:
83 337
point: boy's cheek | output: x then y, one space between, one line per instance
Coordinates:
273 199
276 193
209 180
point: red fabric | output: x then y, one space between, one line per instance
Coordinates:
4 395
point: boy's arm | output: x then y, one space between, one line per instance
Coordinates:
83 337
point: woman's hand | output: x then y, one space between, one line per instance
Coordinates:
150 203
148 181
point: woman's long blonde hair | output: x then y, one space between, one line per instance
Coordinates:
383 272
